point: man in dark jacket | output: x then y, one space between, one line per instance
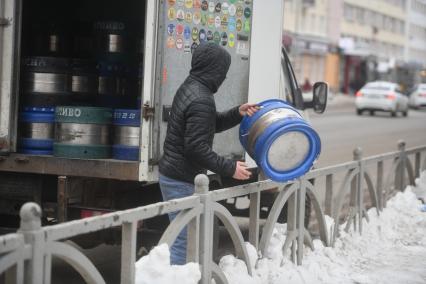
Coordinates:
192 124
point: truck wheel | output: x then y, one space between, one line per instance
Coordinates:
393 113
372 112
405 113
359 111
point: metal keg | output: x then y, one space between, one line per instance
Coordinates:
82 132
46 81
110 78
48 39
115 87
279 139
126 134
111 37
84 81
36 127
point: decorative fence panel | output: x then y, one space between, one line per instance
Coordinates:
26 256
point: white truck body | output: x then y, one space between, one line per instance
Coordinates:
262 82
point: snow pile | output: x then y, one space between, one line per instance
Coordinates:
420 188
392 249
155 268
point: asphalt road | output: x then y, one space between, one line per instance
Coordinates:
341 131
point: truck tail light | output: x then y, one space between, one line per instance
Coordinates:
358 94
391 96
85 213
422 95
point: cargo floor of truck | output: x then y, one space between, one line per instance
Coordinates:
99 168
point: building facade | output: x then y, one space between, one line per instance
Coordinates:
372 41
305 37
350 42
415 52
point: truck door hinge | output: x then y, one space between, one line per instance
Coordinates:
4 22
147 111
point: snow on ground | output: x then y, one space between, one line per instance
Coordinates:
420 188
392 249
155 268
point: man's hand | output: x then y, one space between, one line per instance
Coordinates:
241 171
248 109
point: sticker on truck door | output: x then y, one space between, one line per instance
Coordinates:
197 4
171 14
197 18
188 4
231 39
179 43
170 29
224 39
243 48
179 29
232 10
170 42
202 35
188 17
180 15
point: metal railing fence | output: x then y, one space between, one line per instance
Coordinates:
26 256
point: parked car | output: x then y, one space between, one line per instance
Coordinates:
418 96
381 96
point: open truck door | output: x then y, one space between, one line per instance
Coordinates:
10 11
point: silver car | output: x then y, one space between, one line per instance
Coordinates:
417 97
381 96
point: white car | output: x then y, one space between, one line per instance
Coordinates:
381 96
418 96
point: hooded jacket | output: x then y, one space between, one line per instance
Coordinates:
193 119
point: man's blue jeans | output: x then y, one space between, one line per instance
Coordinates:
172 189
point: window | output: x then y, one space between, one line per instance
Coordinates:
378 20
348 12
361 16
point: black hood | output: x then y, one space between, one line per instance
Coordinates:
210 63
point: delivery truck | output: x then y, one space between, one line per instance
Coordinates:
86 89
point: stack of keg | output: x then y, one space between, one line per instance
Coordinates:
36 125
70 85
126 134
82 132
46 81
118 70
84 81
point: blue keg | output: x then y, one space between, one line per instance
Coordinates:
126 134
281 142
36 130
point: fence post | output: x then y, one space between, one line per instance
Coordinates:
379 184
417 165
329 194
30 228
254 219
359 190
300 222
206 224
128 252
402 165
